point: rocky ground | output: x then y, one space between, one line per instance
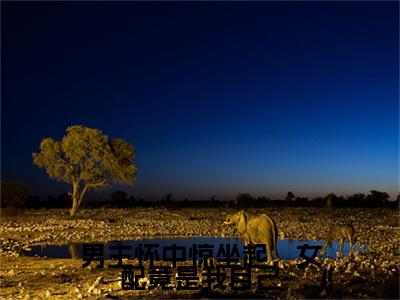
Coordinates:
373 274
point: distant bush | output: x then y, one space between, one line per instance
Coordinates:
243 200
376 198
300 201
121 199
33 202
13 194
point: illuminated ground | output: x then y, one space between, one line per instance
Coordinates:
370 275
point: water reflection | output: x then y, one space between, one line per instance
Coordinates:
73 251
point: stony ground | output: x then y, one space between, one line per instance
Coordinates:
373 274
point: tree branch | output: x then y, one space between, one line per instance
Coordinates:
96 185
82 194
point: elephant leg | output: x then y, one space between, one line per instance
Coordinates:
246 239
341 248
351 245
351 248
276 250
269 253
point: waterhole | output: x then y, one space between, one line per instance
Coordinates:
287 249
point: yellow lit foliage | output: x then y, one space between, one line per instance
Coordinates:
87 159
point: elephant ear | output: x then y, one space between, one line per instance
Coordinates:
242 224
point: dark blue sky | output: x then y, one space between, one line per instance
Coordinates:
217 98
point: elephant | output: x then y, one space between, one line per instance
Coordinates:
341 233
256 230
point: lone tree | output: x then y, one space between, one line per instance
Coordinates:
87 159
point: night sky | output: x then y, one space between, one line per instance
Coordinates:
217 98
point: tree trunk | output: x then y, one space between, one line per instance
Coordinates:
77 198
82 194
75 202
74 208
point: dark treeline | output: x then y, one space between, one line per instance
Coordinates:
16 195
120 199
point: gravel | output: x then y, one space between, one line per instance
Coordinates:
377 228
